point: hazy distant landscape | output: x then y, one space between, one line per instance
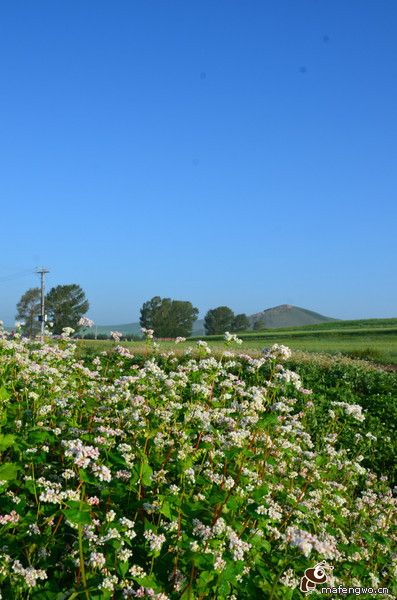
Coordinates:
372 340
284 315
300 329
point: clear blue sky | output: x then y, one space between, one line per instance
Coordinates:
231 152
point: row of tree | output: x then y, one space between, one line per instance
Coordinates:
172 318
66 304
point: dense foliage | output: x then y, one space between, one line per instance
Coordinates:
218 320
28 310
240 323
65 305
375 390
181 477
167 317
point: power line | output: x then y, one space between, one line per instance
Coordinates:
6 278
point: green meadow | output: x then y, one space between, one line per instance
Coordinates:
371 339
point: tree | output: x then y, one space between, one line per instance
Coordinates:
28 309
167 317
240 323
259 324
65 305
218 320
147 311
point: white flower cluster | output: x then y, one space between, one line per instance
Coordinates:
102 472
86 322
222 437
81 454
29 574
277 352
155 541
123 351
231 338
353 410
116 335
204 346
12 518
97 560
148 333
306 542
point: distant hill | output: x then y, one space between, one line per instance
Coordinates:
125 329
287 315
284 315
135 328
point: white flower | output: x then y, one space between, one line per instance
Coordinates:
353 410
137 571
231 338
148 333
82 455
277 352
67 332
202 344
108 583
155 541
86 322
103 473
116 335
97 560
219 563
30 574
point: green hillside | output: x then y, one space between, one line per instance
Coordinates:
287 315
356 324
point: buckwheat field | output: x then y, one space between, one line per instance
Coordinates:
183 476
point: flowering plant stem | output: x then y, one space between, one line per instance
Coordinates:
81 552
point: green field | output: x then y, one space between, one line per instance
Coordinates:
371 339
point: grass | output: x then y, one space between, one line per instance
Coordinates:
369 339
378 346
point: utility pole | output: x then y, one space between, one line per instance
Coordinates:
42 317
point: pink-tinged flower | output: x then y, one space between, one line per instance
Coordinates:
86 322
93 501
102 472
123 351
116 335
148 333
13 518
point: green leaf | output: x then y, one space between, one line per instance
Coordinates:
80 517
148 581
85 476
6 440
8 471
147 473
39 436
204 579
4 395
165 510
123 568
